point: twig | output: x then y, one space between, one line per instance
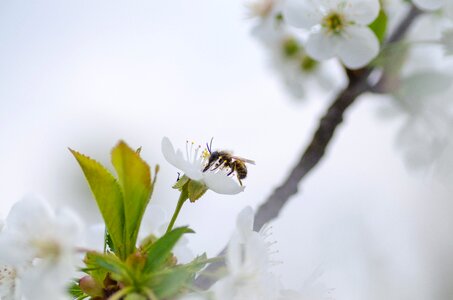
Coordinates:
315 150
358 84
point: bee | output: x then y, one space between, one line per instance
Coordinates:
225 159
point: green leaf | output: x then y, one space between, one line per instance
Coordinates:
169 283
147 242
181 182
111 264
93 269
379 26
75 291
109 199
196 189
108 242
135 179
135 297
159 251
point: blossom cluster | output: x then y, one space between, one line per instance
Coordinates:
50 254
321 43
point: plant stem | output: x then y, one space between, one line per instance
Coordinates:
121 293
150 294
182 198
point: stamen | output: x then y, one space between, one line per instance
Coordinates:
187 150
195 155
266 231
191 151
270 244
273 252
274 263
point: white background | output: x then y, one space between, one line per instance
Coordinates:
84 74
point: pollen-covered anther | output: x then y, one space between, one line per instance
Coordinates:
334 22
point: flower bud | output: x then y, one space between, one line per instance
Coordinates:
90 287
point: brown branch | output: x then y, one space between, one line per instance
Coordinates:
315 151
358 84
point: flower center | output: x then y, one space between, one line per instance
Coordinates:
308 64
290 47
334 22
47 248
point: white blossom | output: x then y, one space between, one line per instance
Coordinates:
248 270
338 28
287 57
423 98
193 163
248 264
39 245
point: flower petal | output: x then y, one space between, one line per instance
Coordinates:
176 158
234 254
302 13
220 183
429 4
328 5
169 152
244 222
320 45
362 12
30 214
358 47
256 254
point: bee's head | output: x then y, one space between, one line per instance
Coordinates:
213 157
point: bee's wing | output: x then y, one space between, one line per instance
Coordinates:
249 161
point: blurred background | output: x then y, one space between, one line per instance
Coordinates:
84 74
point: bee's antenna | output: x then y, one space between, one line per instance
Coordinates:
210 145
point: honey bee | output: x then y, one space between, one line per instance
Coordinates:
225 159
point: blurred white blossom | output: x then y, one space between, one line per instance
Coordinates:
337 28
423 99
193 163
445 5
287 56
248 269
248 263
264 9
39 248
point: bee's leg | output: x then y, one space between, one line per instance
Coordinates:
233 168
240 182
219 164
